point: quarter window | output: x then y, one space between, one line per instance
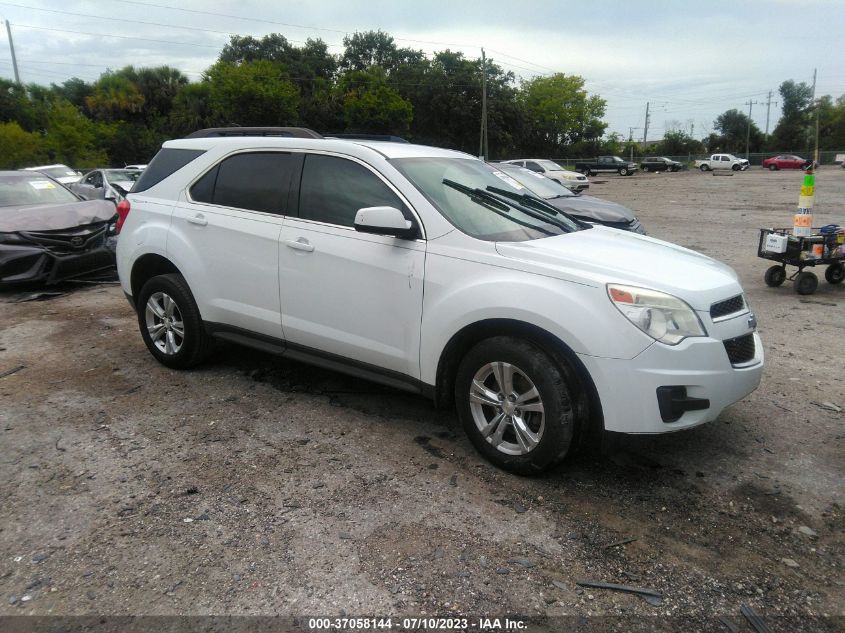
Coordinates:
257 181
333 189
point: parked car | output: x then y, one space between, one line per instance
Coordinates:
59 172
585 208
550 169
722 161
660 163
606 164
786 161
105 184
48 233
431 271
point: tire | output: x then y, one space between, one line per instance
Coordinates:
834 274
551 421
806 283
704 168
644 168
587 172
624 171
736 167
775 276
773 167
162 302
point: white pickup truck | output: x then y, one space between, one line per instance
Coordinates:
722 161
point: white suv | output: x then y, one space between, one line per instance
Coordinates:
431 271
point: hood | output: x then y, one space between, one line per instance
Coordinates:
600 255
123 184
592 208
565 171
52 217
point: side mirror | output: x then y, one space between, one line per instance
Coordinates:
385 221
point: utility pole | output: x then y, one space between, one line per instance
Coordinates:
645 131
483 149
749 103
768 109
12 47
816 108
631 140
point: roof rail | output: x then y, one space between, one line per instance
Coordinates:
370 137
289 132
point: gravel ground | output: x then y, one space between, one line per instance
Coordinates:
260 486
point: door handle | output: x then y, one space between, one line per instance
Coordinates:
300 244
198 219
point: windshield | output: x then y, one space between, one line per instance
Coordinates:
482 201
536 183
58 172
550 165
121 175
31 188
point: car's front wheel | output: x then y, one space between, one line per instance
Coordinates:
516 404
170 322
623 171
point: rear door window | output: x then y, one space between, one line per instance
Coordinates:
256 181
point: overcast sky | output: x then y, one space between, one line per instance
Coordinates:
690 60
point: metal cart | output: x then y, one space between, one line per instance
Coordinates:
799 252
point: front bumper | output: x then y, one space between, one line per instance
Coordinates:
21 264
628 389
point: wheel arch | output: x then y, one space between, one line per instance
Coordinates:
468 336
145 268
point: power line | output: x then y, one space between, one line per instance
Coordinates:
121 37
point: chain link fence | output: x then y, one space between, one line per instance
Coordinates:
833 157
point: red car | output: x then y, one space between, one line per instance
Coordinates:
786 161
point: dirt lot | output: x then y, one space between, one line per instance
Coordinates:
261 486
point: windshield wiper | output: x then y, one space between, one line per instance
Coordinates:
497 205
547 212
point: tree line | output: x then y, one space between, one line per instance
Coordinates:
373 86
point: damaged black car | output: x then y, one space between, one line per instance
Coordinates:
49 234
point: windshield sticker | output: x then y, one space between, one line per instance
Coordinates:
41 184
513 183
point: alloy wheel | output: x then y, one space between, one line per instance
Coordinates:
507 408
164 323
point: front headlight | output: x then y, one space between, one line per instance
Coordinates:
663 317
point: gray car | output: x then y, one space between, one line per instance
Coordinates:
105 184
48 233
586 208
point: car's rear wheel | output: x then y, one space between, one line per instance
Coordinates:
587 172
773 167
170 322
516 404
704 168
644 167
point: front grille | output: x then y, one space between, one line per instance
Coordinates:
69 240
728 306
740 349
